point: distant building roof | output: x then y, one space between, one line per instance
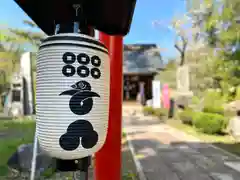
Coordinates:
141 59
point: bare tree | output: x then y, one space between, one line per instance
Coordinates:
185 34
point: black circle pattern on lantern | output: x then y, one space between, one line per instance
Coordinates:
79 129
83 71
96 73
69 58
68 70
96 61
83 59
69 142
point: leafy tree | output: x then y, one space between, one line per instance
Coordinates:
30 37
208 40
13 42
220 29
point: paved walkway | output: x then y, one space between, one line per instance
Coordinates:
165 153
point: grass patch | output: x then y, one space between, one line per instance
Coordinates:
15 133
124 136
223 141
19 132
129 171
19 125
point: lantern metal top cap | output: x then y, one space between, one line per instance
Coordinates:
111 17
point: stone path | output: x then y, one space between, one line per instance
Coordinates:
165 153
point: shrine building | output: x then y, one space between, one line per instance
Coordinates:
141 63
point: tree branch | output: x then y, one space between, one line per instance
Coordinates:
178 48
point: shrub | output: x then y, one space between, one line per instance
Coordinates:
213 99
214 110
161 112
237 97
195 100
186 116
225 123
147 110
209 123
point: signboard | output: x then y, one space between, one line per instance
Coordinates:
156 90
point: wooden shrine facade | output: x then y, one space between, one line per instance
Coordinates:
132 84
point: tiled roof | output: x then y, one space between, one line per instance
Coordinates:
142 59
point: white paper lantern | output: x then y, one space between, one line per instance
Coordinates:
72 95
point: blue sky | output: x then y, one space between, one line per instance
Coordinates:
142 30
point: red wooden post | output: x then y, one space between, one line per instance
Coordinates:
108 159
105 39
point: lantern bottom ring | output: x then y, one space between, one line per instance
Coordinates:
81 165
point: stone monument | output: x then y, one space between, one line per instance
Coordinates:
26 71
183 86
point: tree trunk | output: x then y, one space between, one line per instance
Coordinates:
182 62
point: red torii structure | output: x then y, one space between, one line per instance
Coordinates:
108 159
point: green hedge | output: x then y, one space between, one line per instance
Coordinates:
214 110
148 110
195 100
186 116
161 112
209 123
213 98
237 97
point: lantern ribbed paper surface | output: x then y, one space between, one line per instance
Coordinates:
72 95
